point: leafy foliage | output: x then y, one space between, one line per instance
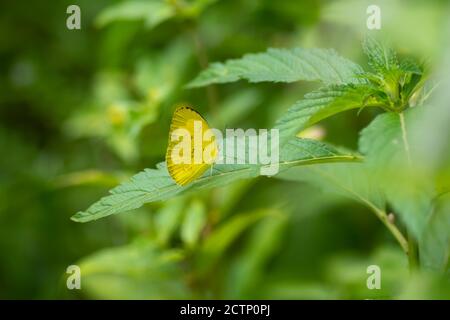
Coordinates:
395 82
321 104
214 247
353 181
152 12
435 241
264 242
193 223
83 111
382 59
138 271
385 142
350 180
131 104
282 65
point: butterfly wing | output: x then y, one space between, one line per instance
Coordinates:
184 173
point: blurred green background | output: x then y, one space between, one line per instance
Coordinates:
82 110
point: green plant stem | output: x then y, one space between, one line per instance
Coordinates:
398 235
381 214
412 254
405 138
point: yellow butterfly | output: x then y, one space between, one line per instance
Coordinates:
188 156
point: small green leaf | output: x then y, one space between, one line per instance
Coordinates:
411 66
221 239
194 221
153 12
322 104
247 270
236 107
381 58
435 242
168 220
349 270
282 65
158 76
89 177
136 271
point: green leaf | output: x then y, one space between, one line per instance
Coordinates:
283 65
152 12
381 58
435 242
385 143
248 269
193 224
350 270
383 139
168 220
292 289
432 130
157 75
411 66
89 177
321 104
156 184
351 180
236 107
136 271
221 239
